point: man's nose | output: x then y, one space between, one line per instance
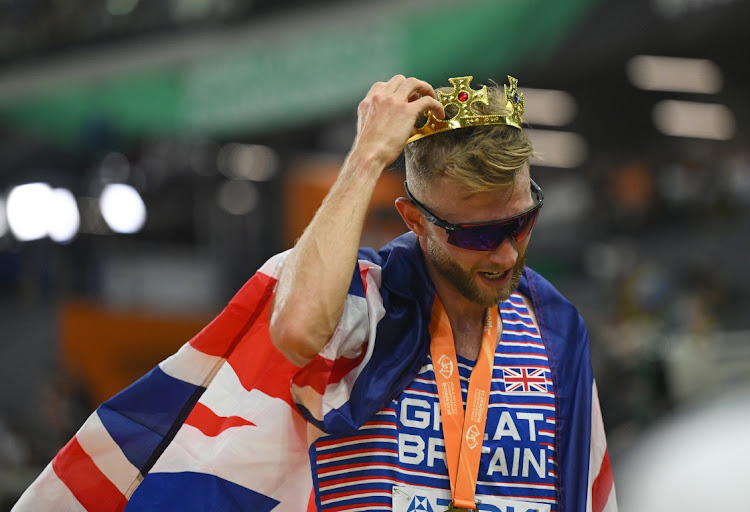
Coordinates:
505 254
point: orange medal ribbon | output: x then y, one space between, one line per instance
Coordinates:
463 434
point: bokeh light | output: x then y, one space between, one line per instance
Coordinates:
28 211
65 218
122 208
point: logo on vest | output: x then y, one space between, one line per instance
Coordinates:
420 504
471 436
446 366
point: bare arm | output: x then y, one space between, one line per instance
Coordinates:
314 282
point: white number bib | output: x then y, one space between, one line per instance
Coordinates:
418 499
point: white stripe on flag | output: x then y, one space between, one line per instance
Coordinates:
106 454
48 492
270 458
598 449
272 267
373 311
191 365
226 396
351 332
611 505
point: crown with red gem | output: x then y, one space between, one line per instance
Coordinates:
463 97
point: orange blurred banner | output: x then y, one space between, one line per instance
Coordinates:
109 349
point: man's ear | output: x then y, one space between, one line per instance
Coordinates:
412 216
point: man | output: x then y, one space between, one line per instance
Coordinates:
380 376
374 349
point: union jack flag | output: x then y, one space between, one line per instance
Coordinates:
525 379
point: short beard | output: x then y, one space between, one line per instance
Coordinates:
464 281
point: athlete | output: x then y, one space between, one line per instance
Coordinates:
445 309
439 373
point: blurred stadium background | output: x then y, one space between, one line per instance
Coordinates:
154 154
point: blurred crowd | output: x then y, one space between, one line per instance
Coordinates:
663 283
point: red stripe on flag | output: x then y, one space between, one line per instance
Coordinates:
85 480
602 487
210 423
321 372
363 270
258 363
220 336
240 333
311 504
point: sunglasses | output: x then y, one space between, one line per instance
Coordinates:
486 236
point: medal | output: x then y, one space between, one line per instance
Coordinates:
452 509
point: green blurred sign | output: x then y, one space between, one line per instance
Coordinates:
290 82
295 76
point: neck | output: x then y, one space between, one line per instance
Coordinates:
466 317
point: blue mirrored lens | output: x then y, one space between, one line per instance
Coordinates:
487 237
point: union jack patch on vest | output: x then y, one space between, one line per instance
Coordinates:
525 379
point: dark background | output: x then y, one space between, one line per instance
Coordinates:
647 234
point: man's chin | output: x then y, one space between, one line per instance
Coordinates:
491 293
495 296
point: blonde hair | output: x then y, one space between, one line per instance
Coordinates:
480 158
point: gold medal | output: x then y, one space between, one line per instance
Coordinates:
451 508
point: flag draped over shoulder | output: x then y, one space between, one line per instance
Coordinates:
213 427
396 340
585 480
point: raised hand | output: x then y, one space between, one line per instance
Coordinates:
387 116
321 263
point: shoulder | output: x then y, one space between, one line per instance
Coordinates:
401 266
554 312
403 246
535 288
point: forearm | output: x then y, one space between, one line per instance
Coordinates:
314 282
313 285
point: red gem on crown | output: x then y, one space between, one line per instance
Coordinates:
463 96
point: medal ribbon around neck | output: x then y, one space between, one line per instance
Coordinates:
463 434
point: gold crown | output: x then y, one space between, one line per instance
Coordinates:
463 97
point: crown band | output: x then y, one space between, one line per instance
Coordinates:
463 97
